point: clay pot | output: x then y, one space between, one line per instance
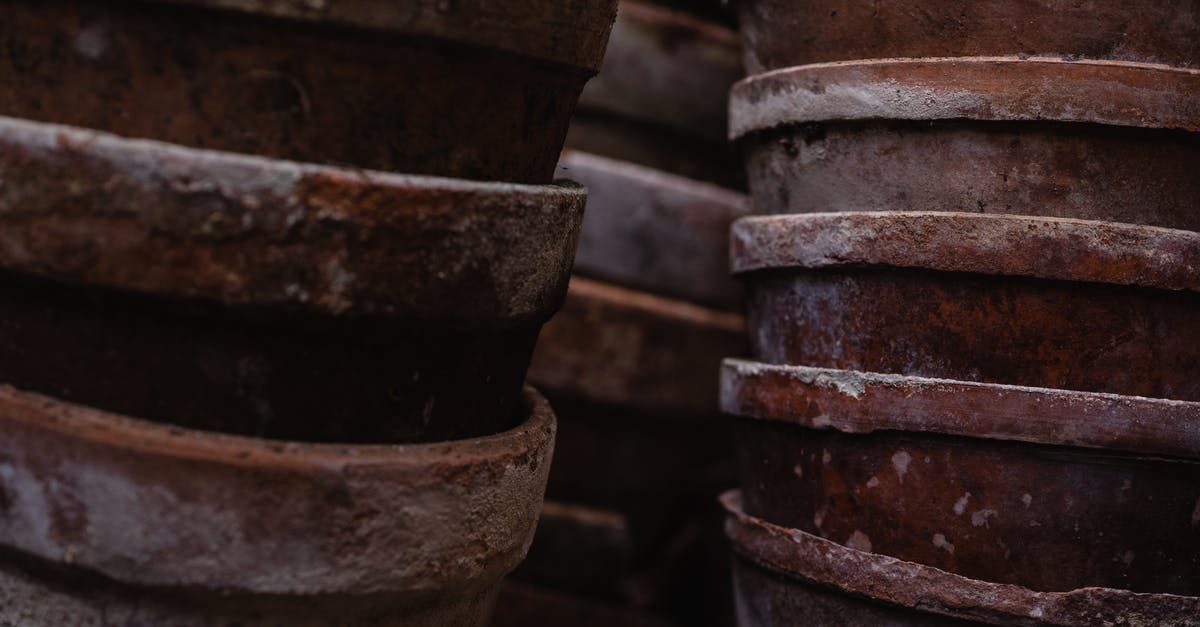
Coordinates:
1049 489
781 33
1092 140
1020 300
653 231
264 297
464 89
660 100
785 576
114 520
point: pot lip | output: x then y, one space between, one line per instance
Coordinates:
809 559
1065 249
246 231
138 437
983 88
473 22
857 402
653 179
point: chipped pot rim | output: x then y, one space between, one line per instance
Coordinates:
811 560
864 402
84 206
1004 88
230 513
573 34
1065 249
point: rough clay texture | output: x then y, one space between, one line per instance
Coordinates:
1049 518
974 88
652 231
867 586
153 507
308 90
863 402
782 33
89 207
974 327
1045 248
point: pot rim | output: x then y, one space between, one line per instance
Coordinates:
1065 249
1002 88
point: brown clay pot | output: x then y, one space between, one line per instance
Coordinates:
782 33
254 296
649 230
661 98
111 520
784 576
465 89
1043 302
1092 140
1049 489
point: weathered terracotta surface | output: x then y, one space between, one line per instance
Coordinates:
653 231
637 351
661 98
982 135
986 481
1002 299
781 33
266 297
462 89
180 527
786 576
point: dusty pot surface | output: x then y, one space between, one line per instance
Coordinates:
1043 302
234 293
782 33
785 576
1049 489
641 352
199 528
653 231
461 89
1094 140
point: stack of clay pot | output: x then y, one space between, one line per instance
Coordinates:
630 362
261 365
974 312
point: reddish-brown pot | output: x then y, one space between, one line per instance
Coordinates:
781 33
785 576
465 89
1043 302
254 296
661 98
649 230
1048 489
112 520
1094 140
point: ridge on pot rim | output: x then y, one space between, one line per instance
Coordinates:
1116 93
651 230
566 32
797 560
864 402
1064 249
781 33
82 206
232 514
